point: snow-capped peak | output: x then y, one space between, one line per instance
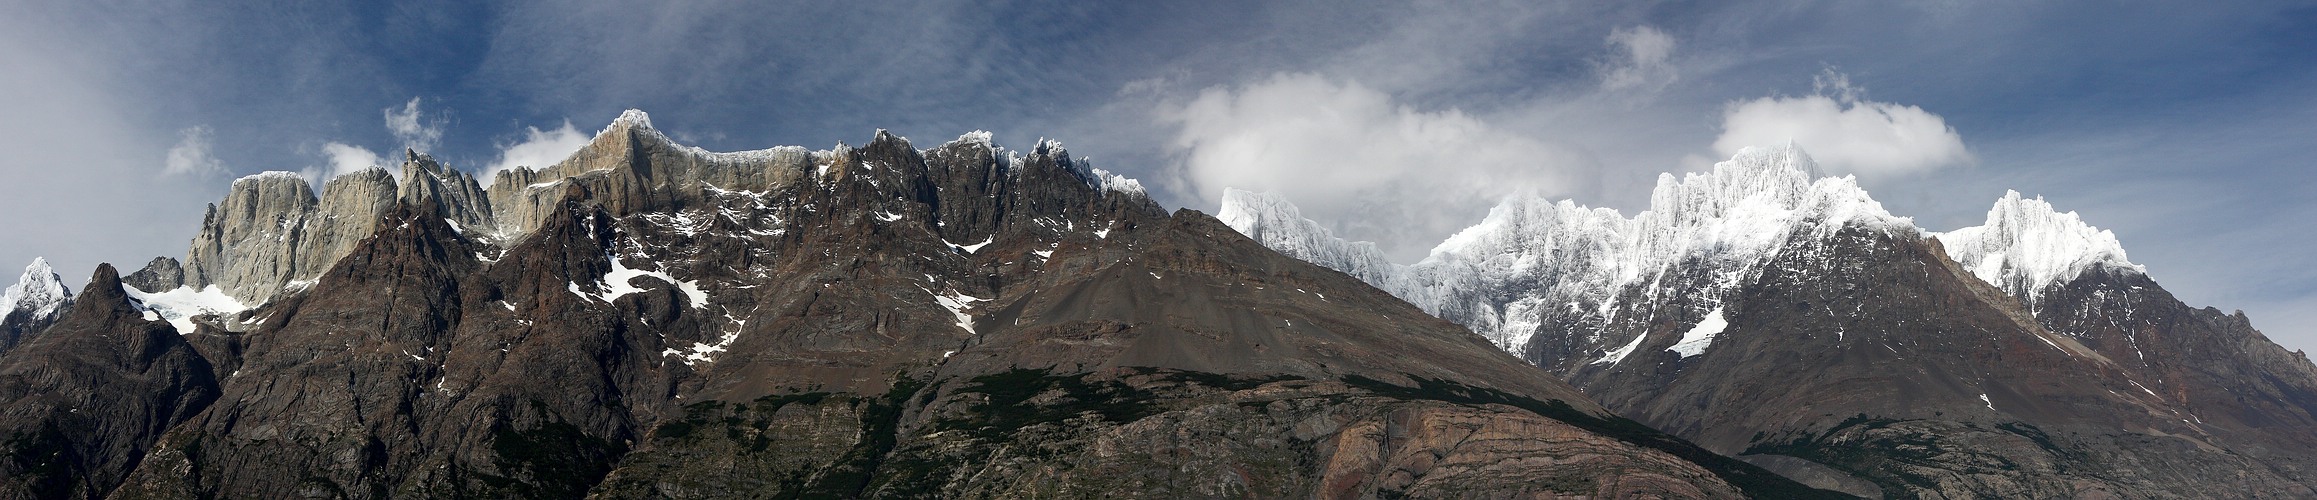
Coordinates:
1049 147
39 291
977 137
635 118
1115 183
2027 246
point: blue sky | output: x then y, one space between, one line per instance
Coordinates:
2188 128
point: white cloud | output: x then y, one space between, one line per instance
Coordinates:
410 126
1644 60
539 149
191 155
343 159
1845 132
1350 156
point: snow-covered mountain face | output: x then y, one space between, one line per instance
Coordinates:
28 306
39 292
1761 312
1534 261
2027 247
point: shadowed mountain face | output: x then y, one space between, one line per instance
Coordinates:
1791 322
651 320
81 404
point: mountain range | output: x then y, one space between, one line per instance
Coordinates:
1789 320
646 319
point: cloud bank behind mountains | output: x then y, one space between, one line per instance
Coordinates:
1375 169
1846 133
538 149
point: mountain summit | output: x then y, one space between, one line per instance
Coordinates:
2027 247
1793 322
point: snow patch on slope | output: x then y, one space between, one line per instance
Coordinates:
703 352
957 304
973 247
615 284
1619 355
2026 246
1695 341
181 305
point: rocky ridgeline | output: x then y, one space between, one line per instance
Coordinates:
271 232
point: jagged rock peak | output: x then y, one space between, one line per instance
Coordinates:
161 274
104 288
414 162
631 118
1051 147
39 291
1052 150
2027 246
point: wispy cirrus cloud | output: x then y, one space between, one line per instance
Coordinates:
192 156
411 126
